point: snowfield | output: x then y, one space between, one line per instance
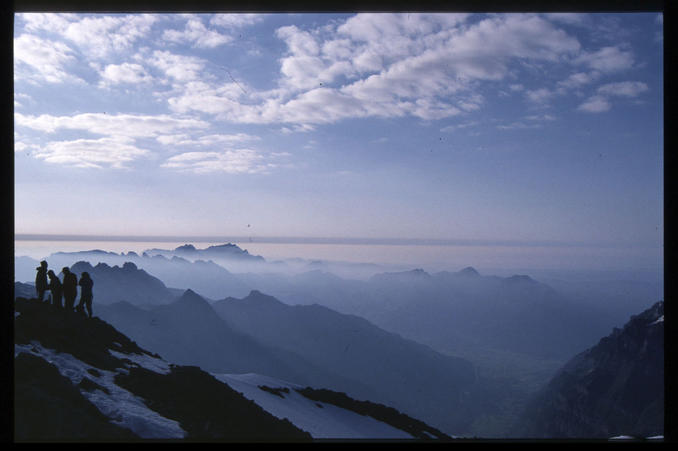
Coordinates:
122 407
321 420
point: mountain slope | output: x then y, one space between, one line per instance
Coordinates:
614 388
123 283
188 331
400 372
80 379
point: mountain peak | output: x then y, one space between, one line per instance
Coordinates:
185 248
518 279
259 298
190 297
469 271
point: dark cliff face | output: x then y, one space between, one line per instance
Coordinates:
75 379
614 388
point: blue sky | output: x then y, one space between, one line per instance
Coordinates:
519 127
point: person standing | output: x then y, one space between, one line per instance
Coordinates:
86 285
55 288
70 288
41 280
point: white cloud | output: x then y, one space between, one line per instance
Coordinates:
595 104
206 140
541 117
623 89
235 20
101 36
579 19
539 96
122 125
196 34
607 59
462 125
92 153
133 73
238 161
579 79
46 60
180 68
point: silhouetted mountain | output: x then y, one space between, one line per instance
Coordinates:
79 379
226 251
614 388
407 375
126 283
205 277
188 331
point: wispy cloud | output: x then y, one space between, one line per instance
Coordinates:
197 35
111 152
127 125
623 89
38 59
236 161
595 104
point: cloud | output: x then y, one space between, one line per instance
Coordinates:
462 125
112 152
539 96
121 125
206 140
196 34
595 104
577 19
237 161
132 73
180 68
37 59
235 20
623 89
607 59
579 79
383 65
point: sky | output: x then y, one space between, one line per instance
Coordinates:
482 127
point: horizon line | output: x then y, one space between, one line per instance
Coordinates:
317 240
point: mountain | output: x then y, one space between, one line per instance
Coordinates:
410 376
188 331
228 251
126 283
612 389
205 277
80 379
329 414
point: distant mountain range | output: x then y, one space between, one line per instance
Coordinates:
615 388
396 371
362 337
79 379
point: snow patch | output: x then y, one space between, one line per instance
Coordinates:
659 320
146 361
319 419
121 406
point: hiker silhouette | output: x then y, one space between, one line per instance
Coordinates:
55 288
41 280
70 288
86 285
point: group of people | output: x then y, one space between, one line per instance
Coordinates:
68 289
